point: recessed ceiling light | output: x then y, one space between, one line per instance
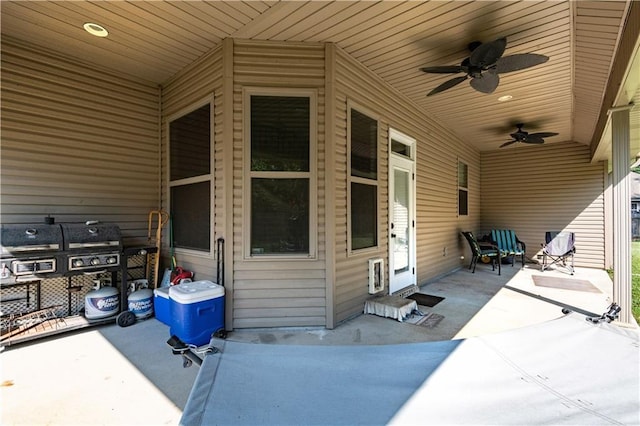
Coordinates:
505 98
95 29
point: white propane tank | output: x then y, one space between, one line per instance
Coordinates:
140 301
101 303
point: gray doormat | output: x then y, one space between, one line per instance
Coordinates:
564 283
425 299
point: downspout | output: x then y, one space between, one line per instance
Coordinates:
329 176
227 173
159 204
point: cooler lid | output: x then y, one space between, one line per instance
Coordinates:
161 292
195 291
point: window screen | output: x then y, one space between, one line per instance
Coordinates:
190 144
280 174
463 193
364 218
364 144
190 179
363 138
190 212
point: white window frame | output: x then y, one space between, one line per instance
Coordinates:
248 174
398 136
459 187
196 179
356 179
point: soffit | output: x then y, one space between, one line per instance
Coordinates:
154 40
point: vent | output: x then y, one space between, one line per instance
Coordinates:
376 275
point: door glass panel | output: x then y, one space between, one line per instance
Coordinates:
401 221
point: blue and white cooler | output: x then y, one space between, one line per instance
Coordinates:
161 305
197 311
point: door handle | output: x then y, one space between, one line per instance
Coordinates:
393 235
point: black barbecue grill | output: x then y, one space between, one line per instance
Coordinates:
38 251
46 270
91 247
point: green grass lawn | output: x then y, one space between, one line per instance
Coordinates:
635 279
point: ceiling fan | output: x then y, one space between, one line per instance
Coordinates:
526 137
484 65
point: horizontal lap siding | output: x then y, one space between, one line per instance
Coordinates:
193 84
437 223
78 143
276 292
534 189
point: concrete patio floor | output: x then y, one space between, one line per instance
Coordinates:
475 303
113 375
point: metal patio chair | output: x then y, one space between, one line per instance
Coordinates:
558 249
480 250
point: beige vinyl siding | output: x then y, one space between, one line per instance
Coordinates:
277 292
534 189
78 143
198 82
437 224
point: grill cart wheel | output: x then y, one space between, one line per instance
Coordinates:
126 318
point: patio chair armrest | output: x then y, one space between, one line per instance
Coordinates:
487 246
522 244
492 247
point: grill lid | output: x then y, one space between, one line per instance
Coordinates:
91 235
30 238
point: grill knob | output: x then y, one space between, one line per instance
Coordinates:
111 260
95 261
78 263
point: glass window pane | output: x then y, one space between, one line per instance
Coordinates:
190 210
279 216
462 174
190 144
364 224
463 207
280 133
364 144
400 148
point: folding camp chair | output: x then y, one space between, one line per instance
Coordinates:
559 247
480 250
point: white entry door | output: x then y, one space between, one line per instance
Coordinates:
402 244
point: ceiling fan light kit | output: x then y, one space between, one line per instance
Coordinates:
483 67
